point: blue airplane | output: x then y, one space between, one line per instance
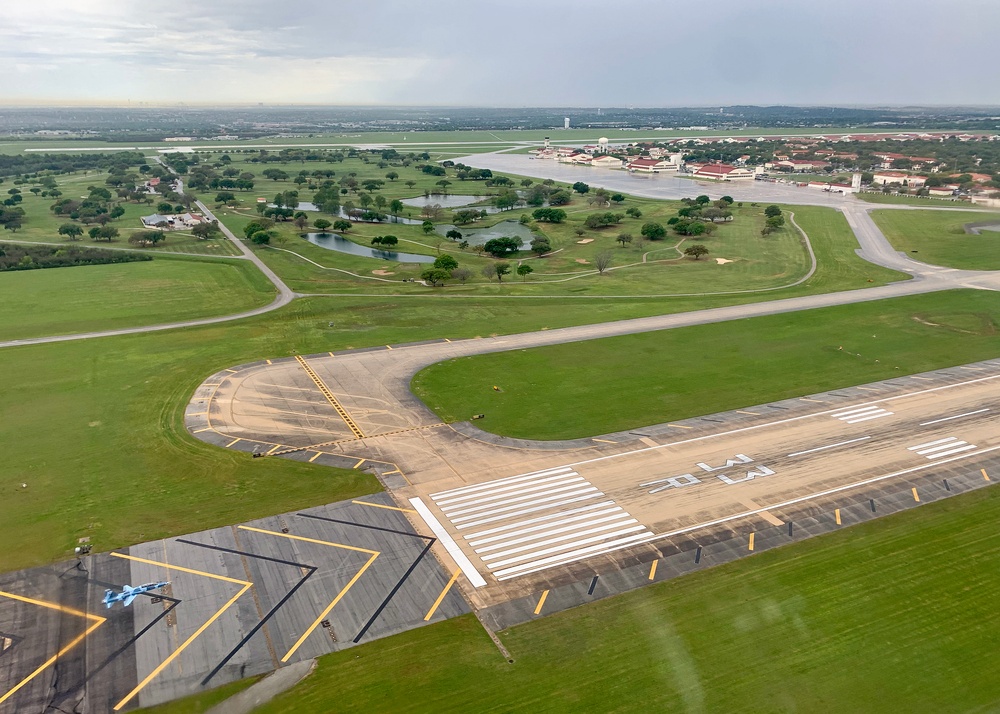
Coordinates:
129 593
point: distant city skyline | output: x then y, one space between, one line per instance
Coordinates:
582 53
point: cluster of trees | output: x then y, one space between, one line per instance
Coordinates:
35 164
11 217
601 220
445 267
98 207
385 242
549 215
467 173
699 215
467 215
260 231
30 257
773 220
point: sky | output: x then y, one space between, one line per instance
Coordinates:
582 53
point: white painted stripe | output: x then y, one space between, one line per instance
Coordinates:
497 482
560 548
520 487
941 447
828 446
932 443
953 451
533 509
547 499
540 519
856 412
460 558
618 512
464 508
564 558
957 416
599 529
868 418
777 422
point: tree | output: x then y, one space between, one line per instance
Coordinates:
103 233
603 260
540 245
624 238
696 251
702 200
435 276
633 212
385 242
71 231
262 237
341 225
445 262
499 247
653 231
617 198
461 274
301 220
489 271
395 207
772 211
322 224
392 176
164 207
116 213
146 238
550 215
206 230
775 222
502 269
444 184
453 234
581 188
524 270
427 227
559 198
410 184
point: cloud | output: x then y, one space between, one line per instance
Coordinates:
520 52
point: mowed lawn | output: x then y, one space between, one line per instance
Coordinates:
897 614
938 237
619 383
61 301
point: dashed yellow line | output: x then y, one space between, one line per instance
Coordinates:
750 544
652 569
234 441
985 477
836 515
325 390
388 347
440 598
274 448
315 456
269 362
541 601
915 496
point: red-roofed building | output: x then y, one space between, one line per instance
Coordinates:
723 172
651 166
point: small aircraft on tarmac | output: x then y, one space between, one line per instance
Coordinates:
129 593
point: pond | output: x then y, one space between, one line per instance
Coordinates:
479 236
332 241
453 201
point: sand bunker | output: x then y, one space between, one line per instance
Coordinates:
382 272
585 241
581 261
722 261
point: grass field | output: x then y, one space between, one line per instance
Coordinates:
602 386
202 702
937 237
892 615
916 200
61 301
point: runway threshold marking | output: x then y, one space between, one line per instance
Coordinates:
440 598
541 602
340 595
96 620
246 585
381 505
325 390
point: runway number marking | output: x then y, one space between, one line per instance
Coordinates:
683 480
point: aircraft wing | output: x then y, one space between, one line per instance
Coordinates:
128 600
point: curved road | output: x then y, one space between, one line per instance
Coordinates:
874 247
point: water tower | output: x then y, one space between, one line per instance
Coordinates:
602 145
566 123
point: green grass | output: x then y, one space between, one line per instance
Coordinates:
201 702
891 615
60 301
614 384
915 200
937 237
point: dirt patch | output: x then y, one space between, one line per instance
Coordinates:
585 241
581 261
379 271
722 261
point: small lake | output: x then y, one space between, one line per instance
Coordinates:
332 241
450 201
479 236
303 206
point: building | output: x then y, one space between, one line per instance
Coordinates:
607 162
179 222
723 172
651 166
884 178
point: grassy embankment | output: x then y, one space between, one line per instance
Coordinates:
614 384
937 237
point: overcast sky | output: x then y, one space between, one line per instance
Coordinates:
509 53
